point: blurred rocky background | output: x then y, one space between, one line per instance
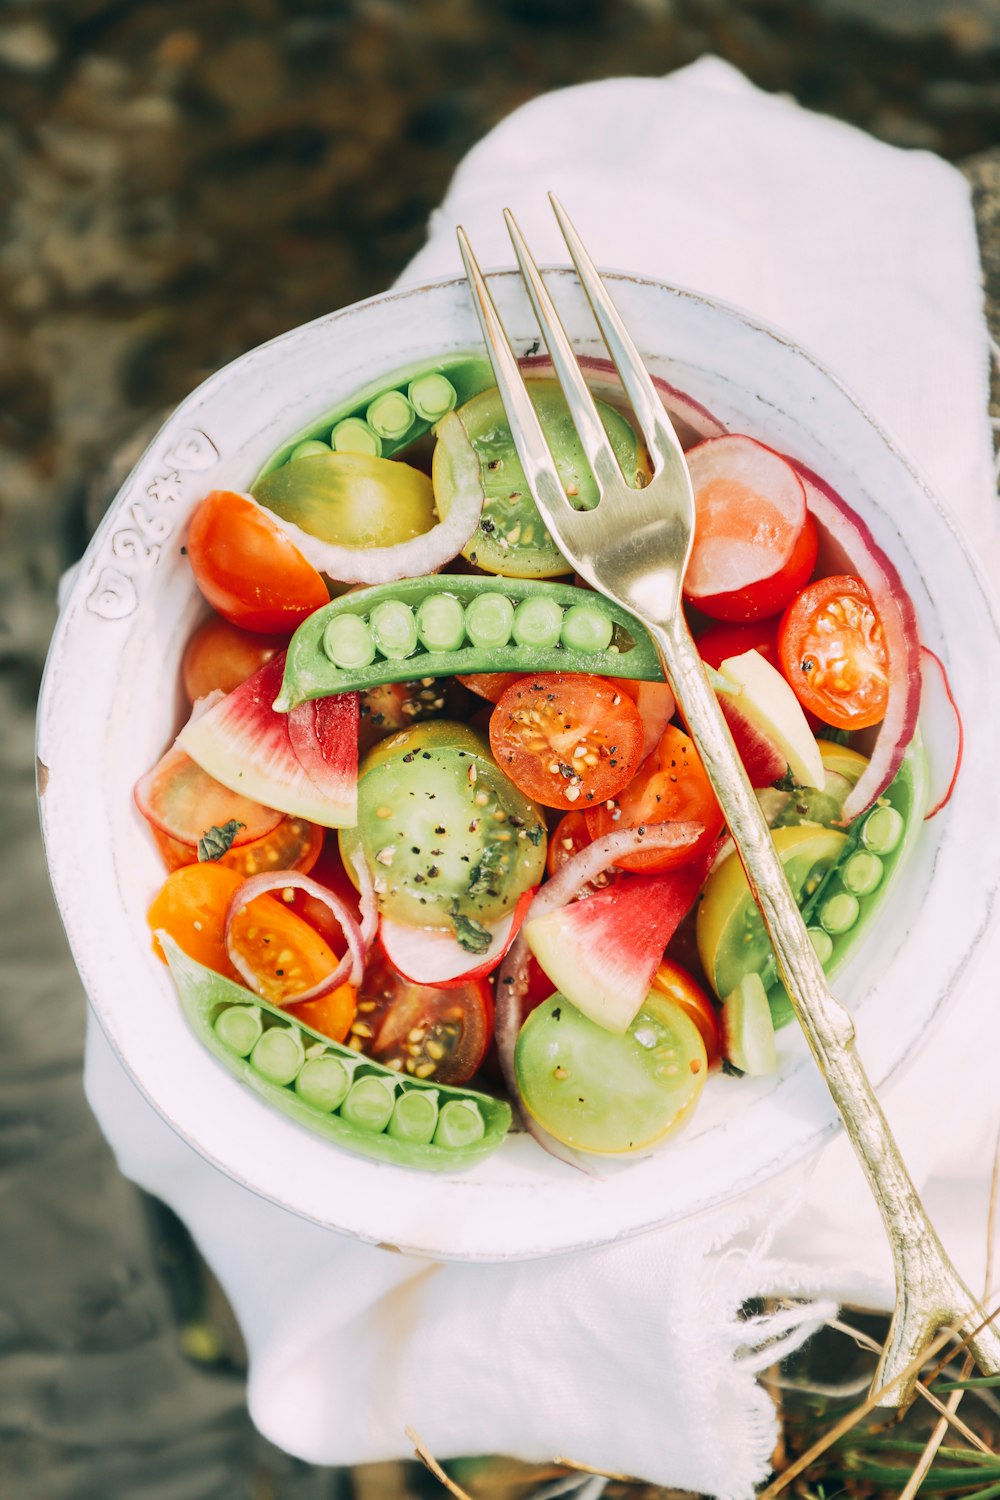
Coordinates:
178 182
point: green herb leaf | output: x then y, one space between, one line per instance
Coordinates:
786 783
471 935
730 1069
484 875
215 842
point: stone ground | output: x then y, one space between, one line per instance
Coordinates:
178 182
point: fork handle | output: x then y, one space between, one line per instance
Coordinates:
930 1294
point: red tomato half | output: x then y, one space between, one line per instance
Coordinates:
750 511
429 1033
769 596
247 568
670 786
565 738
221 656
833 652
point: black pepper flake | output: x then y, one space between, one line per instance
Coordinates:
432 872
439 829
410 755
414 849
557 1013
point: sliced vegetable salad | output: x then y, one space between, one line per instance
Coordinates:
434 828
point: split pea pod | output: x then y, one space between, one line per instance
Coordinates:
849 896
390 414
444 625
331 1090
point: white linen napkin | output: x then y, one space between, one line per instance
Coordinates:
635 1358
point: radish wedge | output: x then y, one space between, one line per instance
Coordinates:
750 509
602 952
944 746
433 955
847 546
246 745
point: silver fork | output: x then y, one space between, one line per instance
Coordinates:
634 547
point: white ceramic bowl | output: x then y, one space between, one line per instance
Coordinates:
111 701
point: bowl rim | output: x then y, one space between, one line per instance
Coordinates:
220 379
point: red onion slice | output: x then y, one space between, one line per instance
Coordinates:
938 703
691 421
847 546
367 900
421 554
351 966
512 979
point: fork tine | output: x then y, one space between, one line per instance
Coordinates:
526 430
661 440
590 429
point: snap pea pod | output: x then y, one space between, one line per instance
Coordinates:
447 624
385 417
330 1089
850 895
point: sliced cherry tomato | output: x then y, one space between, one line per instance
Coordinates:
678 985
670 786
285 955
429 1033
184 802
191 908
293 845
722 641
221 656
490 685
833 652
564 739
247 568
769 596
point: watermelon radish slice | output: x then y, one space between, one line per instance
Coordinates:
943 747
603 951
762 760
847 546
750 511
433 955
246 745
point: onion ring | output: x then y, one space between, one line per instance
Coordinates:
350 968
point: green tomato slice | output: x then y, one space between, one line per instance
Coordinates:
350 499
605 1093
446 835
512 538
732 940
